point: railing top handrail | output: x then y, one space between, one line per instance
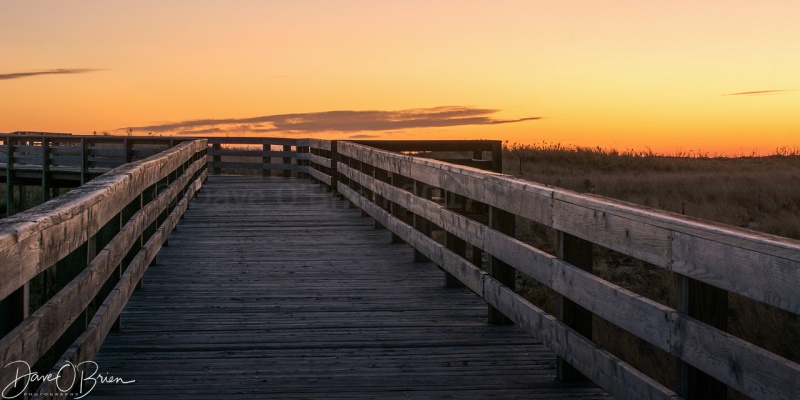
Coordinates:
430 144
253 140
72 210
660 218
758 265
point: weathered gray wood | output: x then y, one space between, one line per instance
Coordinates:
707 304
326 179
651 321
471 276
617 377
325 162
69 220
88 343
36 334
659 238
577 252
277 315
251 165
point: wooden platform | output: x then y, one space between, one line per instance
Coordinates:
270 288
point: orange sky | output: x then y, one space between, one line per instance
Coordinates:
716 76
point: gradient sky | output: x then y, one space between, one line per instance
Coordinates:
707 75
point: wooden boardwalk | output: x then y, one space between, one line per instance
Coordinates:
270 288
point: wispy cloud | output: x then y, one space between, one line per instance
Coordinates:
755 93
335 121
60 71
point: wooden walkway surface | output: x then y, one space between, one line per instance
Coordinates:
270 288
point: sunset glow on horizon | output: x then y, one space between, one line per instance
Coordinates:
706 75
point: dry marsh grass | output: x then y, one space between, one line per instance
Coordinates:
761 193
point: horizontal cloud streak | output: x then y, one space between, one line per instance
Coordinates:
60 71
336 121
757 92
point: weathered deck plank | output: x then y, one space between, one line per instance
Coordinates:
272 289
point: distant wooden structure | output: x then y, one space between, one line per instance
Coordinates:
108 231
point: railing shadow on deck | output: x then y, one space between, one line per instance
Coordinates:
477 209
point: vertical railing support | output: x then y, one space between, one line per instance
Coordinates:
708 304
287 161
9 176
45 169
382 176
421 224
84 161
334 166
455 244
266 160
577 252
216 159
504 222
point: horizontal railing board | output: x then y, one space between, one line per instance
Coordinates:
637 231
470 275
89 342
674 332
621 379
319 175
240 140
71 150
64 223
519 197
106 151
36 334
430 145
251 153
640 316
258 166
325 162
65 160
316 144
609 372
27 160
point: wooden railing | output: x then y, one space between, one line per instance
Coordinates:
103 228
412 197
64 161
253 155
86 251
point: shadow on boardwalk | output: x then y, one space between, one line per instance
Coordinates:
270 288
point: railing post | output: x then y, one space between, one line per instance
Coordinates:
382 176
398 212
266 159
419 223
455 244
127 148
301 163
368 170
497 157
45 169
287 161
216 159
577 252
708 304
504 222
334 166
10 176
84 160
